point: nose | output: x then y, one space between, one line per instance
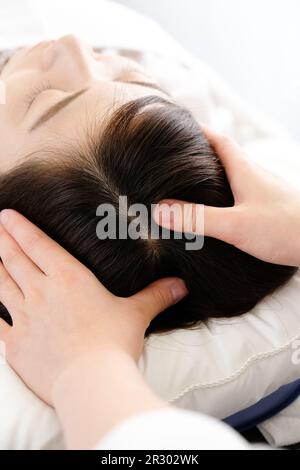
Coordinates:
75 46
71 59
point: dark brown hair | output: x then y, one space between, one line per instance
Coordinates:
150 150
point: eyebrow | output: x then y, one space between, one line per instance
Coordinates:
56 108
53 110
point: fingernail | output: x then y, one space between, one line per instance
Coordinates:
3 216
179 290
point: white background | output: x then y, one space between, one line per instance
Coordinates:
254 44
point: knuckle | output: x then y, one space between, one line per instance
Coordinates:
192 217
8 250
32 241
162 298
10 255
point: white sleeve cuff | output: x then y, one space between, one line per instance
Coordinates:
172 429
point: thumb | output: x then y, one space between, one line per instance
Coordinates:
160 295
181 216
220 222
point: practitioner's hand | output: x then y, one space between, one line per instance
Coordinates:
265 220
59 309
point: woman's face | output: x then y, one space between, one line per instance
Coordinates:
56 89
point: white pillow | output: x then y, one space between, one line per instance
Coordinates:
25 421
227 365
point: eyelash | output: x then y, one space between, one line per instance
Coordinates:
33 94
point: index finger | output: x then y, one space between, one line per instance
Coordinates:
41 249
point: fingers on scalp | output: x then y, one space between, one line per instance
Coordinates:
18 265
226 147
7 249
162 298
232 156
10 294
196 218
41 249
23 231
160 295
223 144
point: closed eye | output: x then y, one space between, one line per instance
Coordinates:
54 109
35 91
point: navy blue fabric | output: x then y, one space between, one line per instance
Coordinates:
265 408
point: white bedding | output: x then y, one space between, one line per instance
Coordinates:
173 364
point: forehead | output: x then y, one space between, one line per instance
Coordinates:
94 106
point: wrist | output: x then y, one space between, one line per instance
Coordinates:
85 362
98 391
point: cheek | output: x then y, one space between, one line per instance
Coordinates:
14 90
